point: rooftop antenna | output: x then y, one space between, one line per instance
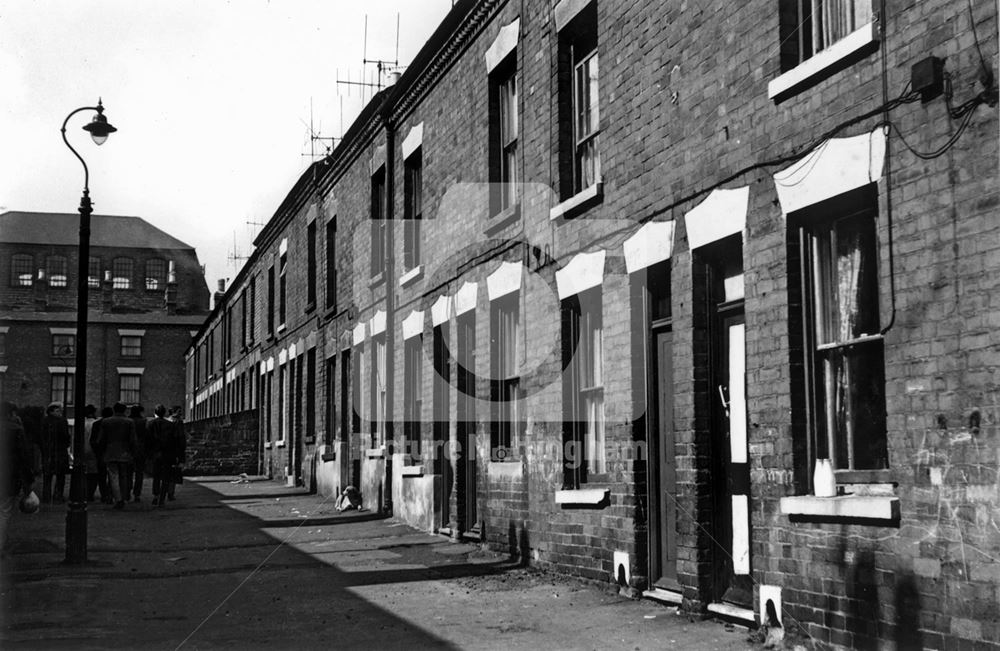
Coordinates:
314 137
382 66
236 257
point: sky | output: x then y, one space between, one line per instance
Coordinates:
213 102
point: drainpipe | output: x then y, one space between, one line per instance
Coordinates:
390 295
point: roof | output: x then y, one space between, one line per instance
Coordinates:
18 227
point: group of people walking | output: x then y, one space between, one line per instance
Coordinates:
120 451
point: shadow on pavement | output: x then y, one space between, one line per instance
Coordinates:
204 572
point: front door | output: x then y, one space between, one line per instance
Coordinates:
467 481
730 468
664 528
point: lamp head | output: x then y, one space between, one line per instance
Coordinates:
99 127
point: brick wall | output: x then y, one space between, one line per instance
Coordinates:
224 445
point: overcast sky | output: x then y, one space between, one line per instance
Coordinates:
211 99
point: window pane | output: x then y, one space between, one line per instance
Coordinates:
131 346
156 271
852 411
122 273
63 345
63 386
129 389
847 282
21 273
94 272
56 271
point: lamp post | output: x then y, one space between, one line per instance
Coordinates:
76 515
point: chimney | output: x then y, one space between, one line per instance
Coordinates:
107 292
170 293
220 292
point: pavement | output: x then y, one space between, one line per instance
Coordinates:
258 565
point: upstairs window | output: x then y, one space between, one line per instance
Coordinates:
413 209
282 288
131 346
504 129
378 392
121 273
156 274
808 27
270 300
311 264
55 267
579 84
378 225
331 263
21 272
844 349
94 273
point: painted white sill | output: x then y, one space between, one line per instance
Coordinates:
281 328
504 469
375 453
412 471
267 445
588 496
822 61
279 444
733 612
411 275
583 196
869 507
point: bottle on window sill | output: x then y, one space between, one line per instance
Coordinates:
824 483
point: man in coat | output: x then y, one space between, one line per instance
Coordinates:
54 442
116 436
137 414
16 466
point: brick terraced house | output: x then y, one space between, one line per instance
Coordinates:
147 296
598 283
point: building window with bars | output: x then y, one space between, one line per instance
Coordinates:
156 274
22 273
131 346
94 272
129 388
412 209
505 383
121 273
55 266
844 347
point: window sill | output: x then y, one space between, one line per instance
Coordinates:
376 279
583 497
823 64
411 275
412 471
503 218
873 508
578 202
267 445
310 440
376 453
281 329
279 444
310 307
329 456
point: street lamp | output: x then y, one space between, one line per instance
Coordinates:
76 515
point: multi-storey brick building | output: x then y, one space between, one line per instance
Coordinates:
598 283
147 295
